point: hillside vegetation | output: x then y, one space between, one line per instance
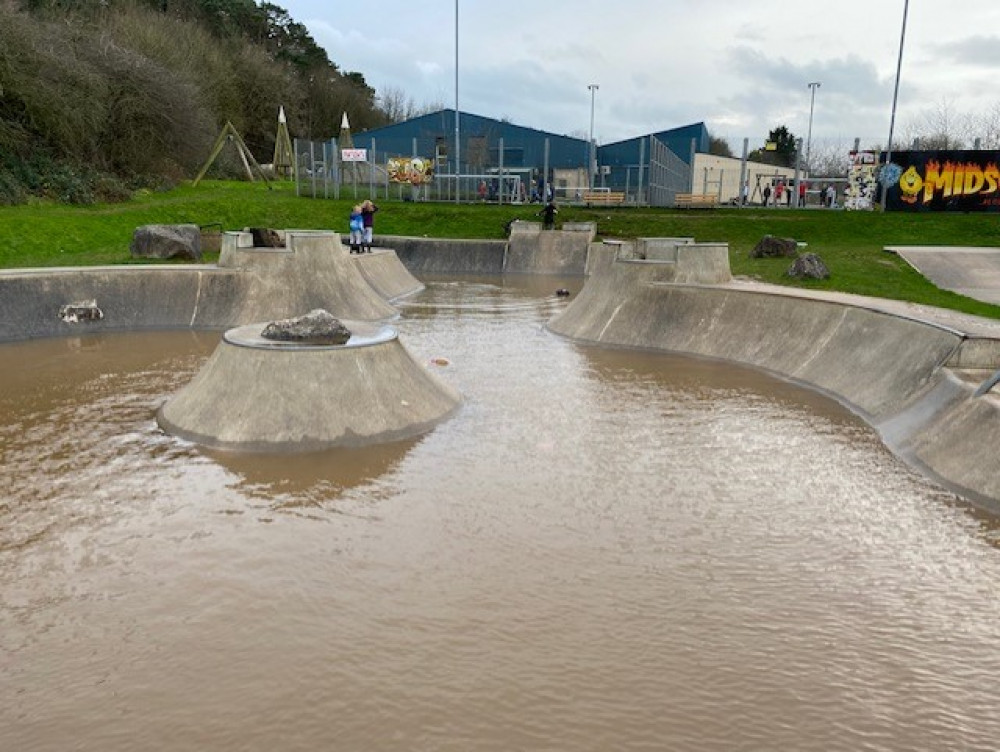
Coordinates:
98 98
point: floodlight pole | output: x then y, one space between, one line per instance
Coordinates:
591 156
895 97
813 85
458 142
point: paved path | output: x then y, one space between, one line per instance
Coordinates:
973 272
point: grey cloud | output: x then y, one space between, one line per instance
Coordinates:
977 51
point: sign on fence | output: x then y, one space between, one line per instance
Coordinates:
353 155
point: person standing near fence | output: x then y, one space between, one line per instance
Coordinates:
368 210
548 214
356 224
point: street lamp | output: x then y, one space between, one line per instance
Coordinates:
895 97
458 143
813 85
592 157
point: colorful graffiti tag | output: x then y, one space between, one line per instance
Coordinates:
943 181
412 170
862 185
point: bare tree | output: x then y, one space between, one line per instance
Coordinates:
940 128
988 127
398 106
829 159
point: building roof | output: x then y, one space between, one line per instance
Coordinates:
433 135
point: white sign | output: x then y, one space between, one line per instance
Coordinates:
353 155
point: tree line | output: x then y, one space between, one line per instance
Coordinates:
97 98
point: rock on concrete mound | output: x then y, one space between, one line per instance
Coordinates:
771 247
318 327
167 241
255 394
809 266
265 237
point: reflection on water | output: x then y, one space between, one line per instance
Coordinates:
305 480
603 549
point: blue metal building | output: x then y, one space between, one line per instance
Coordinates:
433 136
622 165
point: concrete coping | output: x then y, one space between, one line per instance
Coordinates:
152 268
952 322
363 334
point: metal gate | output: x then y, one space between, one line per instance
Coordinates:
668 174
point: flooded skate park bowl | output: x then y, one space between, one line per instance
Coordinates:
601 549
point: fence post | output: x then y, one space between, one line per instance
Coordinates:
744 180
500 175
545 177
642 159
798 173
295 165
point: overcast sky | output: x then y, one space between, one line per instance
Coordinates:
741 66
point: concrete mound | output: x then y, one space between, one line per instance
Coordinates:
311 270
255 394
386 274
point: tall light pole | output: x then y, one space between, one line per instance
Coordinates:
458 143
895 97
813 85
591 156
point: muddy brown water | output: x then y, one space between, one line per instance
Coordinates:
602 550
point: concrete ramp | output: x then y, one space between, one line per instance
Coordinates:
533 250
385 273
313 270
972 272
443 256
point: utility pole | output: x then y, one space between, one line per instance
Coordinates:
591 151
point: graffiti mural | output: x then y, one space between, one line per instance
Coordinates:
862 181
412 170
944 181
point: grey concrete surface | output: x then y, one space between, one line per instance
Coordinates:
386 274
973 272
254 396
903 368
130 297
436 256
533 250
314 270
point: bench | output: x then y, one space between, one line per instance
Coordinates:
603 198
696 200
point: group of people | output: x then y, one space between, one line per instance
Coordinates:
828 194
362 225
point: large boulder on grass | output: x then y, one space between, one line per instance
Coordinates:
808 266
772 247
167 242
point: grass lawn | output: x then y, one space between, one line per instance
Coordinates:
851 243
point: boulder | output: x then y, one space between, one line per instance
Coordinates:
318 327
167 241
809 266
265 237
772 247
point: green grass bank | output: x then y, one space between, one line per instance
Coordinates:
851 243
